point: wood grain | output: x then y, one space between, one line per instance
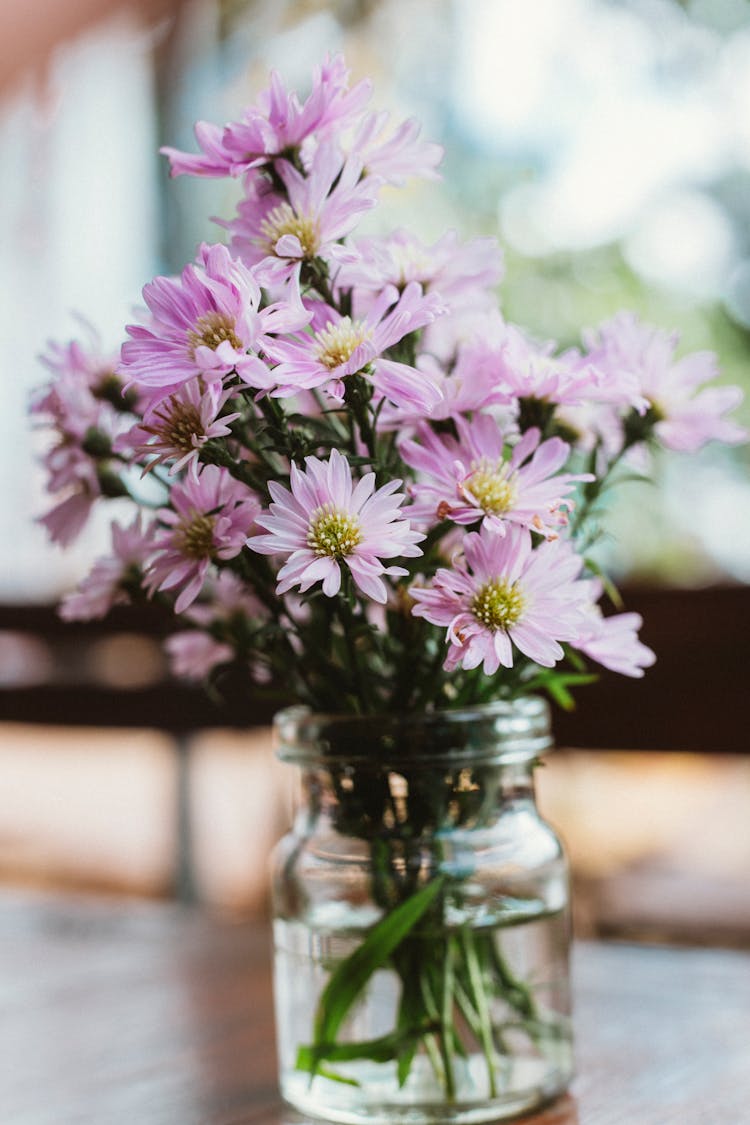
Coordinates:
117 1013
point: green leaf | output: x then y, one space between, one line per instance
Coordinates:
324 1072
377 1050
350 977
557 684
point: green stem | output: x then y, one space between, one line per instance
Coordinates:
483 1012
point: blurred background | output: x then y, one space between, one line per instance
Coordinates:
607 145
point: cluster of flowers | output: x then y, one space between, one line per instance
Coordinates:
358 475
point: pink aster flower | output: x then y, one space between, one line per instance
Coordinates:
226 597
278 232
327 520
277 123
107 583
467 379
176 428
86 365
228 604
65 522
347 346
504 594
206 322
77 406
193 654
471 478
396 155
686 417
209 519
613 642
531 370
460 272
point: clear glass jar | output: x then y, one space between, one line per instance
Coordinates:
421 919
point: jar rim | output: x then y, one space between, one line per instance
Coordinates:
502 732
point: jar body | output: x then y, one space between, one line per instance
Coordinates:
421 931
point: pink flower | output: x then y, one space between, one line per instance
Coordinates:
78 406
206 322
397 156
467 382
504 594
176 428
194 654
279 122
278 231
109 579
66 521
326 521
460 273
613 642
86 365
209 519
471 478
347 346
685 417
531 370
227 608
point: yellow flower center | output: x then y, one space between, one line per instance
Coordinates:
498 604
195 537
336 342
284 220
492 485
211 330
333 532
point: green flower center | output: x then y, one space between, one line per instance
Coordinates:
336 342
195 538
498 604
211 330
492 485
284 220
333 532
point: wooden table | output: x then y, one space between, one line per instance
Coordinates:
132 1014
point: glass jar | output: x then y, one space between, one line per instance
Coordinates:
421 919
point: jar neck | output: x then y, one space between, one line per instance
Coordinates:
423 801
501 733
411 776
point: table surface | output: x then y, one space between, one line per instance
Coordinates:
153 1014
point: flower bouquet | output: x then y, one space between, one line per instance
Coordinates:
358 485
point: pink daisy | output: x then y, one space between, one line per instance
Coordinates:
227 608
176 428
468 380
504 594
78 406
111 577
279 231
459 272
209 519
394 156
65 522
194 654
327 520
471 478
206 322
347 346
685 416
276 124
532 371
613 642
